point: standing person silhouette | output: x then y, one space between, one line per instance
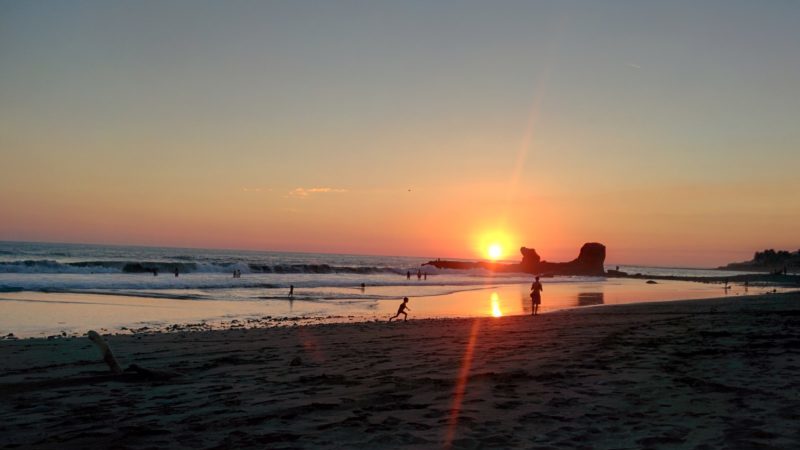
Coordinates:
402 310
536 296
408 275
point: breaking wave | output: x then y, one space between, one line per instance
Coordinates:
90 267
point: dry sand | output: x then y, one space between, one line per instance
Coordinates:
694 374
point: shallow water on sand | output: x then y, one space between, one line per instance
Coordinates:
39 314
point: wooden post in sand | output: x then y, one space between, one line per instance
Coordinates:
108 357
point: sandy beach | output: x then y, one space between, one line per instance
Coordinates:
692 374
209 212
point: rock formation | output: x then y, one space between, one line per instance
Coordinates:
529 257
589 262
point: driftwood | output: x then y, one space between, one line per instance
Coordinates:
133 373
105 350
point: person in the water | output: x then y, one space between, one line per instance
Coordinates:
536 296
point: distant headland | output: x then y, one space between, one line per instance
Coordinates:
589 262
592 255
769 261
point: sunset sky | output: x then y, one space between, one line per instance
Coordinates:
669 131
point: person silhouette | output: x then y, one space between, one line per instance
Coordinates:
402 310
419 274
176 272
408 275
536 296
291 290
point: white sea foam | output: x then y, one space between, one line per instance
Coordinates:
109 282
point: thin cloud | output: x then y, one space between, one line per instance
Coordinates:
306 192
635 66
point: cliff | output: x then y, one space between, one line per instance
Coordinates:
769 261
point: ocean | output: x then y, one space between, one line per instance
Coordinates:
43 284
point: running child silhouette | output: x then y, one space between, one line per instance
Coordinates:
402 310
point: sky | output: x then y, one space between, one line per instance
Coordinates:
666 130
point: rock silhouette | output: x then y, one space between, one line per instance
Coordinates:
589 262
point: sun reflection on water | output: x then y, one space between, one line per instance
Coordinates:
496 312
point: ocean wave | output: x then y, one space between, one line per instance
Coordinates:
264 293
183 257
322 269
215 283
11 289
89 267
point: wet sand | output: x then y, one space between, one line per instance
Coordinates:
694 374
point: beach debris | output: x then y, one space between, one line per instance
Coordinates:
651 282
108 356
134 372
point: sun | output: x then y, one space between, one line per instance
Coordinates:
494 244
494 251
